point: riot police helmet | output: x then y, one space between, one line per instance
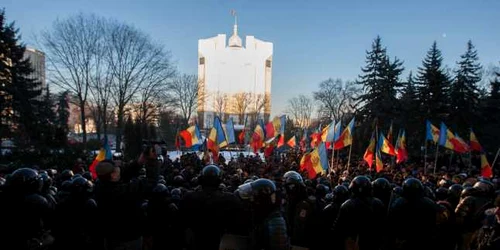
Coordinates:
161 190
66 174
80 185
484 188
441 194
47 180
25 180
87 175
361 186
468 191
413 188
455 190
381 187
292 177
259 191
340 193
210 176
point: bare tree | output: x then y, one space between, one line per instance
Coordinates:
300 108
133 60
71 47
220 104
336 98
185 90
240 103
258 103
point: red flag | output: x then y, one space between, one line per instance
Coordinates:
486 170
292 142
241 137
474 142
281 141
401 151
370 152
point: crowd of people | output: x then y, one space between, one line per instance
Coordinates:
246 203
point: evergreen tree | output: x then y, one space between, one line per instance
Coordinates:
61 122
464 97
490 121
433 85
20 92
380 83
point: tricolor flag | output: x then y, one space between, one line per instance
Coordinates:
191 136
486 170
401 151
379 165
241 136
216 138
432 132
448 140
474 142
229 129
389 134
385 145
328 133
345 139
275 127
257 140
315 162
292 142
104 154
370 151
281 140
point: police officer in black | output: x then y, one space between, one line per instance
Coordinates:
25 212
81 207
412 219
330 213
382 190
470 211
359 224
269 227
209 213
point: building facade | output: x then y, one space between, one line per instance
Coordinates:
234 80
37 61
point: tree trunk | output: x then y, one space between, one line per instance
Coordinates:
84 126
119 127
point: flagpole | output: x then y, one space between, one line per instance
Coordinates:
425 156
333 155
496 157
436 159
349 159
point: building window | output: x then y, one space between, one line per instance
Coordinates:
268 63
202 60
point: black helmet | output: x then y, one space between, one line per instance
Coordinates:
66 186
261 190
441 194
397 190
321 190
210 176
66 175
47 180
222 187
292 177
445 183
381 187
80 185
178 181
412 188
429 193
161 191
161 181
176 193
87 175
484 188
25 180
361 186
455 190
468 191
340 194
52 172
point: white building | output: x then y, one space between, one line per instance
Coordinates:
37 61
234 80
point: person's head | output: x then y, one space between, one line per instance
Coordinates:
361 186
413 189
210 176
107 171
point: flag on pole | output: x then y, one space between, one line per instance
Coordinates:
401 151
448 140
345 139
292 142
281 140
230 131
370 151
315 162
474 142
257 139
486 170
379 165
389 133
385 145
216 138
191 136
432 132
104 154
241 136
